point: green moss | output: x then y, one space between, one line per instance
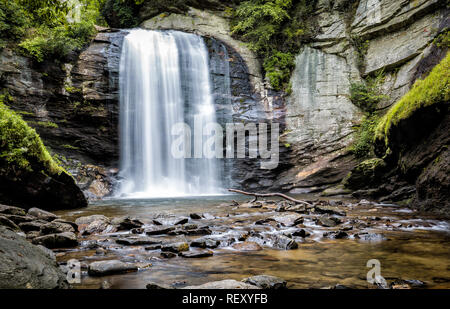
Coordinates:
435 88
20 145
366 95
367 172
363 145
45 124
70 147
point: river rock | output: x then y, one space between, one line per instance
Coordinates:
31 226
138 241
247 246
195 216
104 268
84 221
266 282
56 228
53 241
205 243
289 220
11 210
97 227
168 255
199 231
328 221
127 223
281 242
158 286
301 233
42 214
20 219
4 221
224 284
25 266
159 230
175 247
196 254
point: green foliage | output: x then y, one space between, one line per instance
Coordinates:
58 42
20 145
435 88
366 95
274 29
278 68
13 21
443 39
121 13
361 49
363 145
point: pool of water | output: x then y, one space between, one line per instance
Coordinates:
419 249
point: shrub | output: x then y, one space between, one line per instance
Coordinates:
278 68
367 95
20 145
13 21
363 145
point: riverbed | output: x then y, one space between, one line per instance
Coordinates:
408 245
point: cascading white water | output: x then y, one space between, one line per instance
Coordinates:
164 80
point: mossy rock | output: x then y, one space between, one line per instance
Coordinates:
29 176
417 113
365 174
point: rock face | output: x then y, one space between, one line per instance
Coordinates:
25 266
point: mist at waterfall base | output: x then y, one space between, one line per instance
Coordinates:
164 80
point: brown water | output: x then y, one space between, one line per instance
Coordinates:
419 250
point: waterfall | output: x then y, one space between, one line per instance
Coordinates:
164 80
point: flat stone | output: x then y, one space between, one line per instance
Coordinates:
153 247
328 221
159 230
301 233
224 284
138 241
11 210
195 216
42 214
282 242
4 221
181 221
247 246
104 268
31 226
196 254
289 220
89 219
199 231
266 282
19 219
53 241
168 255
97 227
126 223
175 247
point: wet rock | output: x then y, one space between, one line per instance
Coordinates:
266 282
282 242
92 224
168 255
195 216
153 247
406 284
101 251
32 235
127 223
289 220
61 240
31 226
73 224
8 223
138 241
11 210
301 233
42 214
56 228
205 243
175 247
247 246
104 268
328 221
181 221
97 227
158 286
84 221
106 285
329 210
336 235
199 231
196 254
265 221
19 219
224 284
190 227
137 231
159 230
370 237
25 266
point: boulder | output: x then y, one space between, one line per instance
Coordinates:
4 221
25 266
53 241
11 210
175 247
289 220
159 230
104 268
266 282
31 226
42 214
328 221
56 228
205 243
